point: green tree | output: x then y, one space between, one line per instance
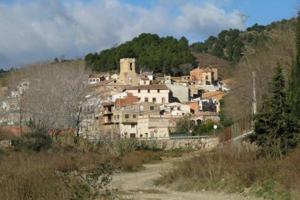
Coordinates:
295 76
276 130
224 119
153 53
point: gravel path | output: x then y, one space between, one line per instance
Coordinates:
140 186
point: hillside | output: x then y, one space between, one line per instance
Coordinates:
231 44
263 58
174 56
154 53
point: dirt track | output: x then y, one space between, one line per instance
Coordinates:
140 186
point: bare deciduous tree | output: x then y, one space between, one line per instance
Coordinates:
263 59
55 93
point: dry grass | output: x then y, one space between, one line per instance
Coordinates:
238 171
66 170
134 161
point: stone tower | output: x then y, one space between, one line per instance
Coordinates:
128 75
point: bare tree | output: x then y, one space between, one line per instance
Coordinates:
55 93
262 59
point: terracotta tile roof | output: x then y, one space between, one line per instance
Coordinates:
144 78
108 104
148 87
218 95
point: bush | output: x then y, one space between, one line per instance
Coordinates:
33 141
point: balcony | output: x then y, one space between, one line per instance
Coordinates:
107 112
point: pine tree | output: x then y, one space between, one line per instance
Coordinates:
276 130
295 76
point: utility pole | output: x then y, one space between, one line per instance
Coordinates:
254 102
21 119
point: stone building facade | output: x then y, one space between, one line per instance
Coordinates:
128 75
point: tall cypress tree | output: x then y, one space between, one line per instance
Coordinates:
276 129
295 76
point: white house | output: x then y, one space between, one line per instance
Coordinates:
176 109
150 93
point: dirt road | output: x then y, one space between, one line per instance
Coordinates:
140 186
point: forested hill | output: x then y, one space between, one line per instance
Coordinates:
154 53
168 54
230 44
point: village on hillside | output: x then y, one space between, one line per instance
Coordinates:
132 104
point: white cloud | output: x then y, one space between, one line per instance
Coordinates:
46 29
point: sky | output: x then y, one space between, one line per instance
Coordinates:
40 30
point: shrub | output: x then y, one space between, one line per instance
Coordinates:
33 141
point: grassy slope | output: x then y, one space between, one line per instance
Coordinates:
238 170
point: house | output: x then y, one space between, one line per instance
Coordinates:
128 75
194 105
89 123
150 93
204 76
179 93
106 88
127 117
94 78
176 109
144 80
126 100
119 95
215 96
149 75
153 126
167 79
205 116
114 76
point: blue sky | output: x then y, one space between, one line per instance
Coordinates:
37 30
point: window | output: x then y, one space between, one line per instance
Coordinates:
144 82
163 100
146 99
141 108
158 91
126 116
153 99
132 125
139 99
134 115
148 90
130 65
151 107
139 90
